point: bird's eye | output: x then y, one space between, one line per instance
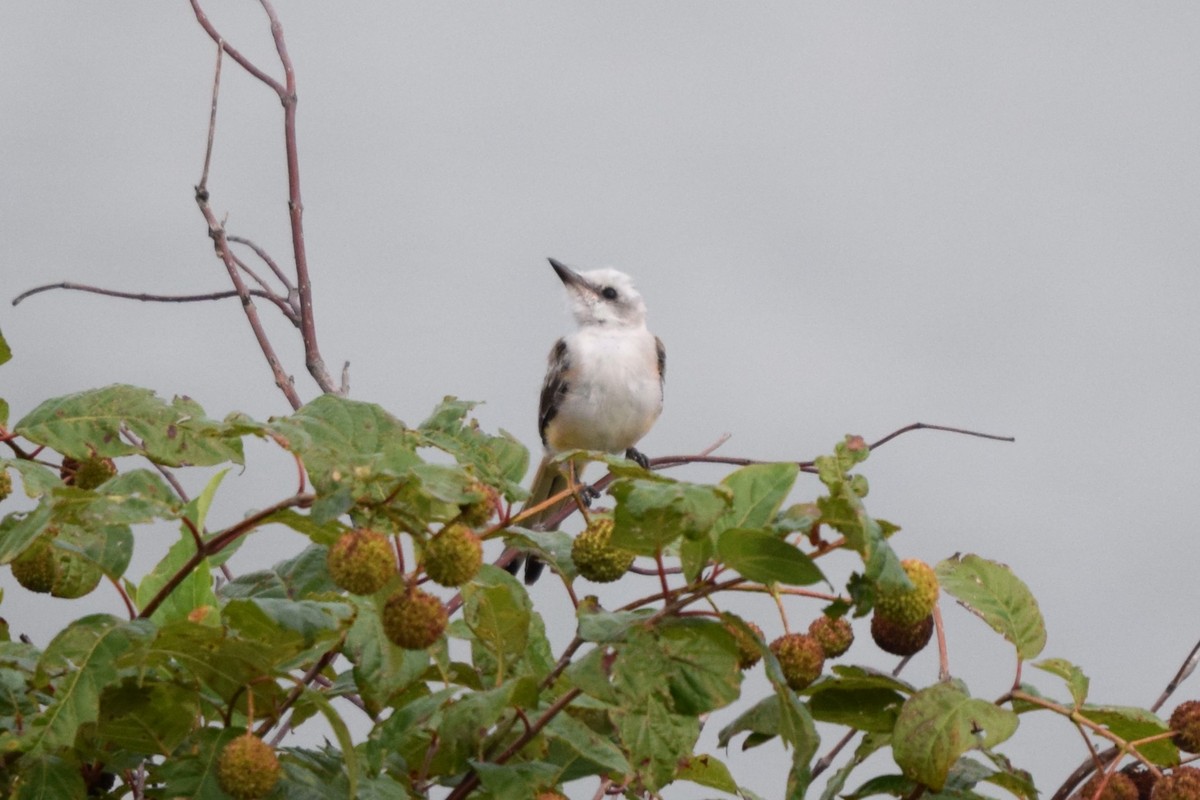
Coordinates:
609 293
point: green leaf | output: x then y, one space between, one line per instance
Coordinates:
84 423
79 662
843 511
653 512
515 781
582 750
218 659
335 436
5 355
303 576
707 771
36 478
497 610
695 555
762 720
1131 723
311 699
796 725
553 547
458 735
500 461
192 770
192 593
322 533
655 739
19 529
288 627
702 656
765 558
1015 781
856 677
939 724
894 785
109 547
865 709
50 777
609 626
992 592
758 492
1076 681
147 717
131 498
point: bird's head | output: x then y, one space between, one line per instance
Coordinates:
602 296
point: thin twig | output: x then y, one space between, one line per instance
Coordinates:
267 292
212 114
471 779
1182 674
270 262
142 296
943 654
233 53
219 542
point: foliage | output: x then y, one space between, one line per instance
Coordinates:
491 709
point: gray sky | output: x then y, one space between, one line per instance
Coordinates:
844 217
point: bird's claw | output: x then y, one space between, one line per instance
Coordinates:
637 457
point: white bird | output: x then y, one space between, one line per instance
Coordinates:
604 382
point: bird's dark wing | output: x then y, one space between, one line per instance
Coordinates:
554 387
662 359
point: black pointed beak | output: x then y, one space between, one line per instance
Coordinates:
568 276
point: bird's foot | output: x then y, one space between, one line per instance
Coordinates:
637 457
587 494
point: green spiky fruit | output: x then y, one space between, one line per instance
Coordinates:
1182 784
453 556
834 634
899 639
800 657
1185 721
910 606
1119 787
56 571
248 767
36 567
595 558
477 514
749 652
88 473
5 484
414 619
361 561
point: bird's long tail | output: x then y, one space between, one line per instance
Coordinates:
549 480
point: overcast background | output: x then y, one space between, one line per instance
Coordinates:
844 217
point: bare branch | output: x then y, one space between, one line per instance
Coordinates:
287 96
308 326
151 298
244 62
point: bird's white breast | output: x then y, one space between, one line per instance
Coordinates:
614 391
